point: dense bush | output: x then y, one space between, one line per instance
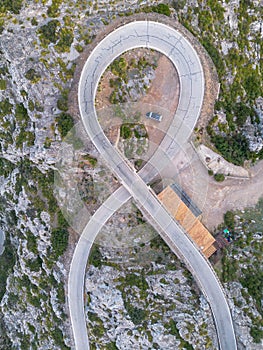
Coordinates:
252 280
48 32
162 9
136 280
53 9
11 5
95 257
65 40
234 148
219 177
215 55
2 84
229 220
62 103
65 123
32 75
126 131
5 107
7 261
256 333
242 111
136 314
6 167
21 113
59 241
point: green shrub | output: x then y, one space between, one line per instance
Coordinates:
171 326
5 107
215 55
62 103
242 111
92 160
57 335
229 220
35 265
79 48
111 346
2 84
136 314
219 177
7 262
119 67
253 85
32 75
126 131
95 257
139 281
252 280
31 105
34 22
65 123
140 131
48 32
53 9
62 222
162 9
32 243
12 6
21 113
257 334
138 163
229 269
6 167
234 148
65 40
59 241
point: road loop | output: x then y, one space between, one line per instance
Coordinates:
177 48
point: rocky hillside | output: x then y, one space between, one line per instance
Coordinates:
40 44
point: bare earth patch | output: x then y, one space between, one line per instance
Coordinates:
162 97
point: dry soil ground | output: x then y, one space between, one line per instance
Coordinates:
162 97
215 198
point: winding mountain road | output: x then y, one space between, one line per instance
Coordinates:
171 43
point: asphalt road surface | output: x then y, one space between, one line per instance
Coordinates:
172 44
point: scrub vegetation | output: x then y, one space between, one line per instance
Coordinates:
239 69
242 262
